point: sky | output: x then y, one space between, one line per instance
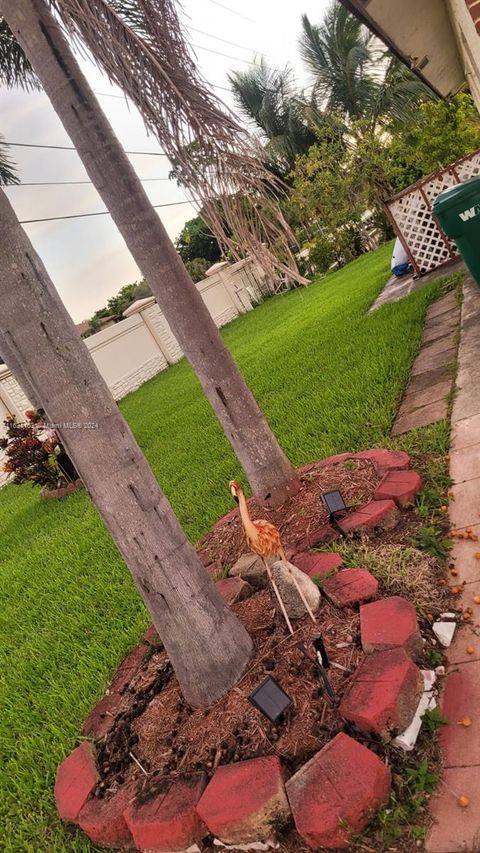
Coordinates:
87 258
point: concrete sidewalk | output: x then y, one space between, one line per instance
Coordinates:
458 829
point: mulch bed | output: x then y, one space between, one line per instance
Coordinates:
304 513
169 739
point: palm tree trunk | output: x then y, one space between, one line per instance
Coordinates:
271 476
207 646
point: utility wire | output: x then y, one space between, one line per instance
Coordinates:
225 41
226 55
69 183
71 147
98 213
233 11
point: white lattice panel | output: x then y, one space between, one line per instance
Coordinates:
469 168
420 231
412 214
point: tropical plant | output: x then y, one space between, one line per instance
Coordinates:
266 97
351 74
28 460
206 644
140 47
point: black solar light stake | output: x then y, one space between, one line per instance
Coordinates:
321 651
270 699
334 503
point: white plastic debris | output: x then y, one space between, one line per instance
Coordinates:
440 670
342 645
408 738
448 615
444 632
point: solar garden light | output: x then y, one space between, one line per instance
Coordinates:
270 700
322 662
334 504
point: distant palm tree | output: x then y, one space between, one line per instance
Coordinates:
7 169
352 74
267 98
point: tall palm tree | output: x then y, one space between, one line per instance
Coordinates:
351 74
151 63
206 644
267 99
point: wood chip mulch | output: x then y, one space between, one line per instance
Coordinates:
168 739
356 479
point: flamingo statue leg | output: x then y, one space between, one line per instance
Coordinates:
279 597
297 587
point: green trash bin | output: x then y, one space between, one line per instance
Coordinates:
458 212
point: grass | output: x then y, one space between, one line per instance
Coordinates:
329 378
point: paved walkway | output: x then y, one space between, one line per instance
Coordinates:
398 288
456 828
431 380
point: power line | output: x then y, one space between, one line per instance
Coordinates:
98 213
72 147
233 11
69 183
225 41
226 55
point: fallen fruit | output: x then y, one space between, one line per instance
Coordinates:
430 617
466 722
463 801
476 599
470 650
467 615
454 572
477 555
444 508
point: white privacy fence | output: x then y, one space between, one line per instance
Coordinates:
140 346
410 213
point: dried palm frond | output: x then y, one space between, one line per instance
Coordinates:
141 47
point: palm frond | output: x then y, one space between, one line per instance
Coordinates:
15 69
7 168
140 45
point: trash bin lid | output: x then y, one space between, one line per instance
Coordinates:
457 195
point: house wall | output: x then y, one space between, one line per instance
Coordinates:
130 352
465 17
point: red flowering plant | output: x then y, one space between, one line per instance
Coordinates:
28 460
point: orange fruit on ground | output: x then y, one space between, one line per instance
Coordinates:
444 508
476 599
466 722
454 572
467 615
463 801
477 555
470 650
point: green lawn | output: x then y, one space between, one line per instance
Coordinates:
328 376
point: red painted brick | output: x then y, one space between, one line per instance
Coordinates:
314 563
400 486
76 779
383 694
390 623
245 801
233 589
382 515
103 821
324 533
335 794
386 460
169 820
351 586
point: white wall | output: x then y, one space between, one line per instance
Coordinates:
462 13
130 352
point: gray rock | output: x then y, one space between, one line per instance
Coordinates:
250 568
286 587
